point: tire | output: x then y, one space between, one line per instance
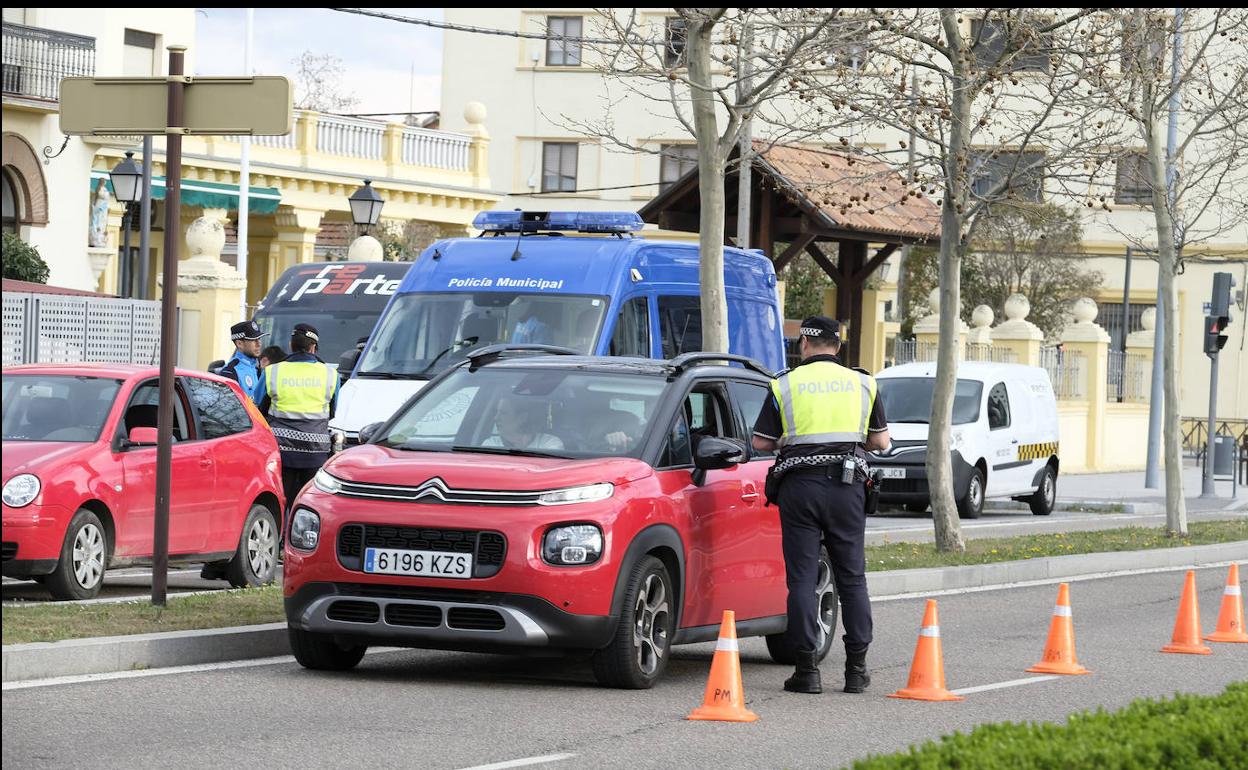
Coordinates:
972 503
782 651
255 561
1045 497
642 642
320 652
79 572
916 507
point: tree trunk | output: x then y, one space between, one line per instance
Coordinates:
939 435
711 189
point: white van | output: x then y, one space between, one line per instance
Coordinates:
1004 436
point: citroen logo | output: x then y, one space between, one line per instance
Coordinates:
435 488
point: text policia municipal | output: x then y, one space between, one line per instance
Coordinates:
541 284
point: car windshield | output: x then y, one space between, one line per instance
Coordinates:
538 412
424 334
339 331
39 407
909 399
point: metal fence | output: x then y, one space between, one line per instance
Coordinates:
1067 372
911 351
62 329
1127 379
991 353
36 59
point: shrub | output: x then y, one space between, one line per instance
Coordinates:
22 261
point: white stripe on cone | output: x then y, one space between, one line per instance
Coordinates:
1231 591
929 631
726 645
1061 611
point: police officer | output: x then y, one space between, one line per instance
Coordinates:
244 366
821 416
299 395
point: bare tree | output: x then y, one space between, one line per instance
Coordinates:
318 83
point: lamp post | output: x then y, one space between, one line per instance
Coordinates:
365 206
126 178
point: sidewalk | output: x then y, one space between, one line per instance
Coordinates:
1110 488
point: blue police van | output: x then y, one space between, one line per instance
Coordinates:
579 280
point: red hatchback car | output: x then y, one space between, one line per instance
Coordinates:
550 502
80 475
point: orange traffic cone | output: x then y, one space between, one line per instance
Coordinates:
927 673
1231 618
1186 637
1059 650
724 700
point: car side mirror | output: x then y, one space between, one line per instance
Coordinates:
715 454
142 437
368 431
216 366
348 360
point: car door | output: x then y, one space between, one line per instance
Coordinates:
1005 470
766 585
224 427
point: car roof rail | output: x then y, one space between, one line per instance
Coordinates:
687 360
489 353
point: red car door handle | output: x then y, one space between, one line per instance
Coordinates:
749 493
205 462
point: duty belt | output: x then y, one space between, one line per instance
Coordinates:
815 461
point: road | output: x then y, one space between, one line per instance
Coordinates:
456 710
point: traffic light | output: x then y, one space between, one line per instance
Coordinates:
1219 313
1215 340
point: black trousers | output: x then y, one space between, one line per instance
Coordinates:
293 480
814 510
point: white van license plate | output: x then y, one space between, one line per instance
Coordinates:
893 473
391 561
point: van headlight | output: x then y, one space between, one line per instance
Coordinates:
589 493
327 483
305 529
572 545
21 490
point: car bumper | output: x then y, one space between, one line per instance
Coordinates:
33 536
913 488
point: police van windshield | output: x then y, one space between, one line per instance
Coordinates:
339 331
909 399
424 333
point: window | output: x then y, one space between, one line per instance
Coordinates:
680 325
704 414
675 37
676 453
632 330
139 55
909 399
220 413
40 407
1131 184
144 407
1025 169
990 39
998 407
1109 317
677 160
12 204
560 50
559 166
750 397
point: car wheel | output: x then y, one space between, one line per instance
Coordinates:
255 561
320 652
778 645
972 503
1045 498
641 645
79 572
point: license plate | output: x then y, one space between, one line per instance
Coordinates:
893 473
393 561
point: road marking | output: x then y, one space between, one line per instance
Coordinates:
524 762
143 597
1003 685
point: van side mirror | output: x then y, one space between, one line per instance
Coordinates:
368 431
714 453
142 437
348 360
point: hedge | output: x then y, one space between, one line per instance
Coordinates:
22 261
1188 732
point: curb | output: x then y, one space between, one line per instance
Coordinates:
45 660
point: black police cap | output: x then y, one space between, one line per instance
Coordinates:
306 330
821 328
247 330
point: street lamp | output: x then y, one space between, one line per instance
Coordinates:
365 205
127 180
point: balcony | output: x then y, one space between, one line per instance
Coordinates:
35 60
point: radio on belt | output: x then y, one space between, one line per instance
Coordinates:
847 470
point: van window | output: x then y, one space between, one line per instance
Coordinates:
632 330
998 407
909 399
680 325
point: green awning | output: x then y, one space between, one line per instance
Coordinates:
209 195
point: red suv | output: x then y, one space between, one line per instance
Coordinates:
548 501
80 476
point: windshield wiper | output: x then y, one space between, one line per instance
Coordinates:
392 376
502 450
454 345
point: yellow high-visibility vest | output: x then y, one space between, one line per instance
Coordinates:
823 403
300 390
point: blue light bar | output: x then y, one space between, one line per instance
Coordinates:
558 221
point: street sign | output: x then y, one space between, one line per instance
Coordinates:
256 106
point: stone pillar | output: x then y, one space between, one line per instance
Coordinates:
1017 333
980 339
1085 337
876 330
294 241
479 151
366 248
927 331
305 137
209 294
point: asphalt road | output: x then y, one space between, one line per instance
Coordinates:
455 710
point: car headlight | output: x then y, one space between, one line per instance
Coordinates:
327 483
305 529
572 545
587 494
21 490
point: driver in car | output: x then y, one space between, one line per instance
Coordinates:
518 426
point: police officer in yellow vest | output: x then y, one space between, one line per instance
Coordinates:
823 417
299 397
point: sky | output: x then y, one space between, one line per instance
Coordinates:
387 65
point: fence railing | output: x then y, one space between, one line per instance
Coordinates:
35 60
437 149
990 353
62 329
1195 432
1067 372
911 351
352 137
1127 377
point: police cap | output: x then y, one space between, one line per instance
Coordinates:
822 328
247 330
307 331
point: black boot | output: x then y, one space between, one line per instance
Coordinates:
856 677
806 676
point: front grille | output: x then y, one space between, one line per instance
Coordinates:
10 551
903 486
436 491
417 615
354 611
474 619
419 539
489 549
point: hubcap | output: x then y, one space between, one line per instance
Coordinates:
977 492
1050 489
650 619
825 600
260 548
88 556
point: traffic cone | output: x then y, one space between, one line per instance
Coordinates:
1231 618
724 700
1059 650
927 673
1186 637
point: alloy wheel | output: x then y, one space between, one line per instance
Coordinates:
650 621
88 556
260 547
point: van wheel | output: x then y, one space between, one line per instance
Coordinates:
972 503
255 561
778 645
1045 498
79 572
320 652
642 643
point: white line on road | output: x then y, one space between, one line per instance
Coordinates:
1003 685
143 597
523 762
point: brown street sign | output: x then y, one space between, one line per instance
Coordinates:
259 106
